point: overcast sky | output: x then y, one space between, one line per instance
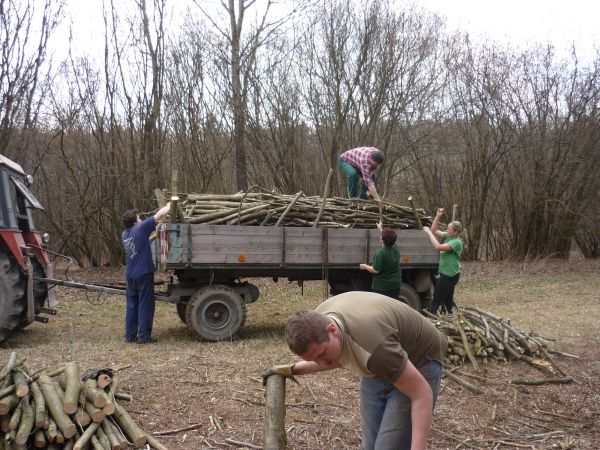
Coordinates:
525 22
520 23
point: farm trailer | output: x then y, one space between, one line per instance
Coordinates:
211 263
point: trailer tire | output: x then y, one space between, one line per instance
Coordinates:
181 307
13 285
215 313
409 296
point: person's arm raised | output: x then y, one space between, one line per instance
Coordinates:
436 223
436 244
162 212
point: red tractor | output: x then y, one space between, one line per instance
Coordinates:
23 254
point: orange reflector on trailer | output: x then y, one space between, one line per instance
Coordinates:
405 259
242 258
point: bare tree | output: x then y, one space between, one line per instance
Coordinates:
371 76
24 32
196 113
239 55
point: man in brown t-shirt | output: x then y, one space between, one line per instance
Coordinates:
397 352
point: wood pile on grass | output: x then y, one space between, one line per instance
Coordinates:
60 410
477 337
299 210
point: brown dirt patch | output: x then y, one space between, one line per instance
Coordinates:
181 381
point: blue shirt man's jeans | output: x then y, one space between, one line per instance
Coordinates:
139 314
386 412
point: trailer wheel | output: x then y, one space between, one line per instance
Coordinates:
215 313
181 307
409 296
13 284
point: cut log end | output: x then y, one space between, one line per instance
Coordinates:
98 416
103 381
69 431
108 409
140 441
22 390
70 407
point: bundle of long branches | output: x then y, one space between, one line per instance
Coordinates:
299 210
479 336
60 410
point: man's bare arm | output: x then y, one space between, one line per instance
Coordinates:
412 384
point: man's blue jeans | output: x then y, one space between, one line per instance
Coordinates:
386 412
139 313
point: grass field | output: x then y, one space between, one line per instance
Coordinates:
182 381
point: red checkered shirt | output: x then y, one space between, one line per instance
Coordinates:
359 158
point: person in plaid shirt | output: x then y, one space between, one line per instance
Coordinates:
358 163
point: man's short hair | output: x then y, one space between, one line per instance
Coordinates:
378 157
130 218
304 328
388 236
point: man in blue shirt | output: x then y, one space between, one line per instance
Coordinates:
139 274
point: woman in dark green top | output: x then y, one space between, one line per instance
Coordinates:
387 277
451 249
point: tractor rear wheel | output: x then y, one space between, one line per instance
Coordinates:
215 312
13 304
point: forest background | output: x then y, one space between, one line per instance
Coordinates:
232 98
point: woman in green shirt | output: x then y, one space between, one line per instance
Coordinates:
451 249
387 277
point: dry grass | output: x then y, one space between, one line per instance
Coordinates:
181 381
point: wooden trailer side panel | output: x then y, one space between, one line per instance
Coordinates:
223 245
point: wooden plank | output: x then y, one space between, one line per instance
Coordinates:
202 245
234 230
224 258
237 249
224 244
224 239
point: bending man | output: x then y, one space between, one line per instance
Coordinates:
358 163
397 352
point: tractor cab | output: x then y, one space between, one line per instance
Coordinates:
16 200
23 252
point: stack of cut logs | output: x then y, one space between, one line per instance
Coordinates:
479 336
57 410
299 210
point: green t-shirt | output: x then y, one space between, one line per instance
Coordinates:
387 262
450 261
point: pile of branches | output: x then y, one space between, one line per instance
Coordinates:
299 210
62 410
478 336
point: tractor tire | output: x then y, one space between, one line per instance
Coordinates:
215 313
40 290
13 304
409 296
